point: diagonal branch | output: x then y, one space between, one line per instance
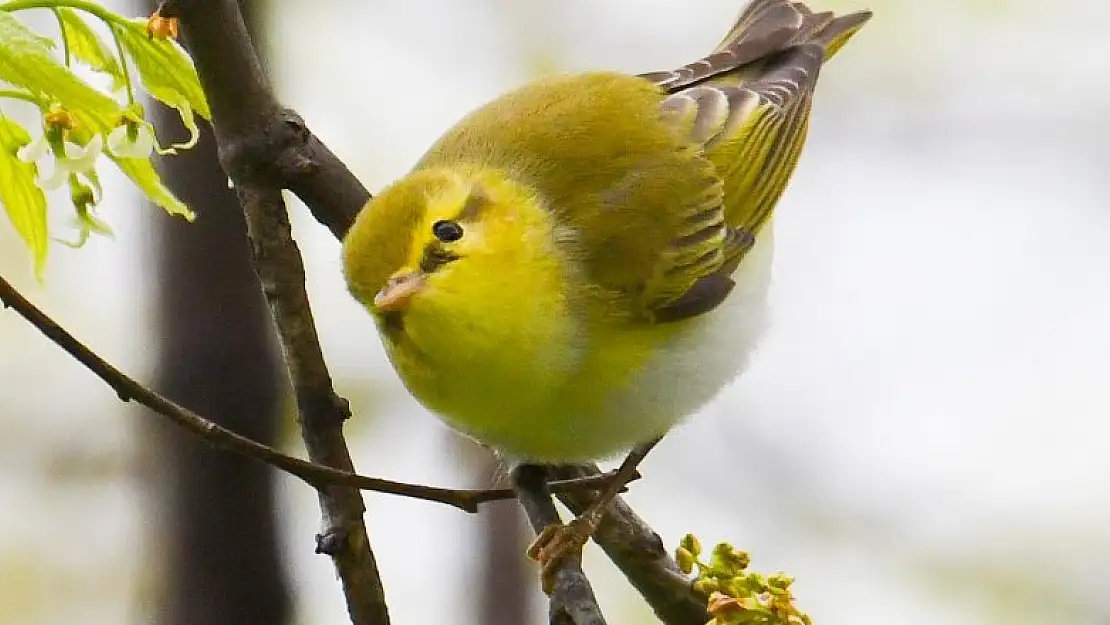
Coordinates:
321 412
317 475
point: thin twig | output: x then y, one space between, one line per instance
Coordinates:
317 475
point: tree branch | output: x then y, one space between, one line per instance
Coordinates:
263 150
316 475
639 553
321 411
572 597
256 135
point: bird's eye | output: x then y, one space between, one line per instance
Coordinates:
447 231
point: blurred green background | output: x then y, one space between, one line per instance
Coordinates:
920 440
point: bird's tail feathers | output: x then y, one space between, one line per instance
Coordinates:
765 29
837 31
772 25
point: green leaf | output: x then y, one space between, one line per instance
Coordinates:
26 60
143 174
86 45
167 72
23 200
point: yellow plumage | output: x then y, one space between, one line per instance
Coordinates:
579 264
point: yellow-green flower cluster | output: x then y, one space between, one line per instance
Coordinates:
734 595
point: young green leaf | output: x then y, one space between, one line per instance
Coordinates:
86 45
167 72
23 200
26 60
143 174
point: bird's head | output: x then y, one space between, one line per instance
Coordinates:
456 260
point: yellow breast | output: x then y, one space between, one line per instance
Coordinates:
570 390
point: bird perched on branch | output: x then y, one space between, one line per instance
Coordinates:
583 262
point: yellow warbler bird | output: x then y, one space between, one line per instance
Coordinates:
581 263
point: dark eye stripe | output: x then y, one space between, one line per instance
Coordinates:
435 256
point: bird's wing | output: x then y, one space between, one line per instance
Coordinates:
747 106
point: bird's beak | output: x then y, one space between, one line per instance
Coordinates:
400 289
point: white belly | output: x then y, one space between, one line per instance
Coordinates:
684 373
709 352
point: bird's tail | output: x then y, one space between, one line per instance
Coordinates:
765 29
770 25
748 104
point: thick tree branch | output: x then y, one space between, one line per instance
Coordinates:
639 553
321 411
261 148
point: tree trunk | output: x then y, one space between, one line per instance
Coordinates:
216 511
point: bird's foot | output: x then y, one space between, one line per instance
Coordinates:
559 541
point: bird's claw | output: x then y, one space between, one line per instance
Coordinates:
557 542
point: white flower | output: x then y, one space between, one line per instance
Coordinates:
56 179
34 150
74 159
79 158
121 145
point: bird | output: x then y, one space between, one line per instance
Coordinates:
580 264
